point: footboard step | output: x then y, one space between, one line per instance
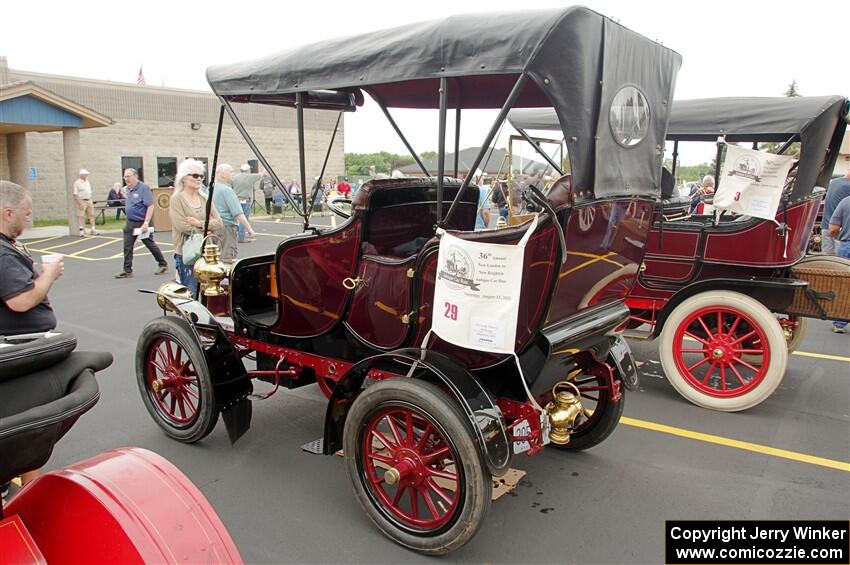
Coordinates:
506 483
316 447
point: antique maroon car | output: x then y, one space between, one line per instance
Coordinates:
728 294
424 423
127 505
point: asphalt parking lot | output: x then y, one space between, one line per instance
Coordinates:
788 458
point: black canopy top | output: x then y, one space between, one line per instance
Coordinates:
819 121
579 62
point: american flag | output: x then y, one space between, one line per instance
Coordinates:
140 80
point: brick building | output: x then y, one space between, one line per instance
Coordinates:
149 128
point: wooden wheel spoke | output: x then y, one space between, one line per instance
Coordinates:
734 326
414 502
701 362
723 377
709 372
173 404
432 508
439 492
383 439
181 405
425 434
707 331
694 350
750 351
399 491
394 429
158 368
382 458
699 339
740 339
170 352
436 455
410 439
443 474
737 375
745 364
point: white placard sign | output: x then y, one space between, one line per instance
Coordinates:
751 182
477 292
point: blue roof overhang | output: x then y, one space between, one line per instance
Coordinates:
25 106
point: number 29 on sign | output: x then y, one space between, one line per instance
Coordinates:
451 311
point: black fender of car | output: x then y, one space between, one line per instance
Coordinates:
231 384
776 294
487 423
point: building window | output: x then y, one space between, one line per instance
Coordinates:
133 163
166 170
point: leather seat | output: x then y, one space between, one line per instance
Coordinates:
41 403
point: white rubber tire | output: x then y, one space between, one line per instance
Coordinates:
746 306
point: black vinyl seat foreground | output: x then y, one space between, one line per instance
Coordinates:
39 401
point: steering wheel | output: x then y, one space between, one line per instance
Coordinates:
340 206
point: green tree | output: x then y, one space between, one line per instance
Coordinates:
792 89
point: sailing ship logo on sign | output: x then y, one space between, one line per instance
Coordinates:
457 269
747 167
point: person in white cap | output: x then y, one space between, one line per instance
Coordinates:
82 198
243 186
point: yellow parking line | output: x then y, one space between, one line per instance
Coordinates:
87 249
66 244
822 356
37 241
738 444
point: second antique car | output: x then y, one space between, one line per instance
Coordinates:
424 423
728 295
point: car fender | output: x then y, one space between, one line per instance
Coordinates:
486 420
231 384
776 294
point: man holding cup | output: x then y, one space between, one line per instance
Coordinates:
24 307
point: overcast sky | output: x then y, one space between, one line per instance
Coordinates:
729 48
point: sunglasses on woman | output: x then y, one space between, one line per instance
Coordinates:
195 175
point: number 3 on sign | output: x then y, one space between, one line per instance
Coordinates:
451 311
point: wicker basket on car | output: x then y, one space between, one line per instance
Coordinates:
828 293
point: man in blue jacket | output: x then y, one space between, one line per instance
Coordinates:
139 209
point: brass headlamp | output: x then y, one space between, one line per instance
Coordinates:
209 270
563 412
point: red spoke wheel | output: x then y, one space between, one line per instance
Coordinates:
723 350
602 414
412 459
174 380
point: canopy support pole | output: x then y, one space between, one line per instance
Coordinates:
675 159
503 113
400 135
325 164
539 150
211 172
255 149
457 137
441 150
299 103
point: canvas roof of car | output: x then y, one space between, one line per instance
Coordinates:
577 61
820 121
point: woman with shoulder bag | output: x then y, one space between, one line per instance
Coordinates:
187 213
